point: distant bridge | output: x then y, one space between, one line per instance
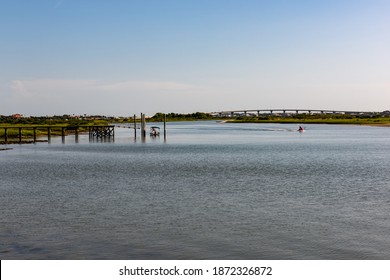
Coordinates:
258 112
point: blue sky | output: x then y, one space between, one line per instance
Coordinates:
123 57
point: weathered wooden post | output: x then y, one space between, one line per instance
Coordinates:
143 126
5 135
63 135
76 134
144 129
165 127
20 134
49 134
35 134
135 126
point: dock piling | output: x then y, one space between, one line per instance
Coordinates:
49 134
135 126
143 126
35 134
63 135
165 127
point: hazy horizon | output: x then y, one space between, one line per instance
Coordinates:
125 57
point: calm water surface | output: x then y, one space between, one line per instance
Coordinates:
211 191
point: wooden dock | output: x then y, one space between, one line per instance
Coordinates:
13 134
98 131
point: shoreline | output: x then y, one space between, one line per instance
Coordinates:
379 124
17 142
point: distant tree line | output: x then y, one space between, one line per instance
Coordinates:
51 120
159 117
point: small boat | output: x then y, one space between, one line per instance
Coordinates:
154 131
301 129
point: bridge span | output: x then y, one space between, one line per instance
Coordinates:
259 112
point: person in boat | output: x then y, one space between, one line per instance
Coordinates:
300 128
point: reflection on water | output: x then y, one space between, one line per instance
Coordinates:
211 191
107 139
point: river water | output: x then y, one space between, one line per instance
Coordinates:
210 191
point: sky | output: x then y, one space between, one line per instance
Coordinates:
124 57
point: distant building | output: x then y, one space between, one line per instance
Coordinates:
17 116
386 113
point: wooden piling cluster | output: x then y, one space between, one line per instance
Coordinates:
100 131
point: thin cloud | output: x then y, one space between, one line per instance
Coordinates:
51 96
20 89
44 87
147 86
37 88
